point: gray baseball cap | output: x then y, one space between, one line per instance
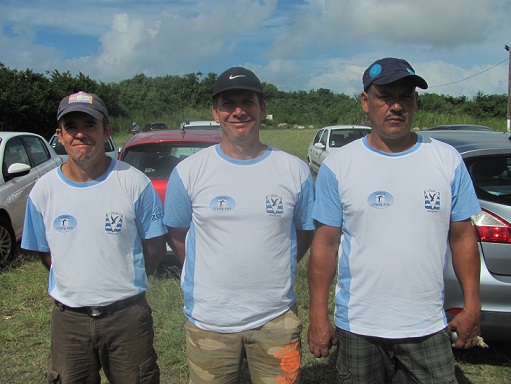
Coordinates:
83 102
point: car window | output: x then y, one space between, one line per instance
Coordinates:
340 137
109 147
36 149
57 146
492 174
317 137
14 153
157 160
323 137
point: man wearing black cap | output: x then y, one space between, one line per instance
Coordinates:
239 215
401 200
97 226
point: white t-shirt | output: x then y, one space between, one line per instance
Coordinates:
241 246
394 211
93 231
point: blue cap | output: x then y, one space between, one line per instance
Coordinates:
390 69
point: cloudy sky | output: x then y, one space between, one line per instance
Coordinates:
456 45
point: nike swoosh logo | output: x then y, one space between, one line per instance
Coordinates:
235 76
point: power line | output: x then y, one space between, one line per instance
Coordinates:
466 78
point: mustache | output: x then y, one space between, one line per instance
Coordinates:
394 116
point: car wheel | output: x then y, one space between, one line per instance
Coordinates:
7 241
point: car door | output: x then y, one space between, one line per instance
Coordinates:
315 150
324 149
15 189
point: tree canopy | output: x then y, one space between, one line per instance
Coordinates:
29 100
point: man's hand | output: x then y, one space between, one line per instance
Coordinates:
467 328
321 338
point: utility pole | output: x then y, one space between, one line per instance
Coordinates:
509 92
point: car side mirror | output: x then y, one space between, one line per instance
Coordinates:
319 145
18 169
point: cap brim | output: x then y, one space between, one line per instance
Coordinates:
80 108
417 80
238 87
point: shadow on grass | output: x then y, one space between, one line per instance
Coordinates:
170 267
20 257
497 355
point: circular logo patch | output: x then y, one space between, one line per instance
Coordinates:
222 204
64 223
375 70
380 200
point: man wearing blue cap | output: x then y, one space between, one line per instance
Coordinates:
97 226
239 214
400 200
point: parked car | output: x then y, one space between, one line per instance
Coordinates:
157 153
329 138
487 156
110 148
25 157
199 124
155 127
463 127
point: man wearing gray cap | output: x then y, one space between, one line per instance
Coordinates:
401 200
239 215
97 226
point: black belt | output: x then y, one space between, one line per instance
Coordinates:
103 310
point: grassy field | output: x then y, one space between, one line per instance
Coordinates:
25 314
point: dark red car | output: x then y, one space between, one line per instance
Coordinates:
156 153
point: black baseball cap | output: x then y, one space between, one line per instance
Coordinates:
237 78
390 69
83 102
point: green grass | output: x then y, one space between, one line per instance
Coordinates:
25 309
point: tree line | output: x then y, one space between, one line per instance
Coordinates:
29 100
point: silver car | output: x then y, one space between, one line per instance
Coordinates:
110 149
330 138
24 157
487 156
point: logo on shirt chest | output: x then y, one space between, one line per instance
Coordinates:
380 199
113 222
222 204
274 205
64 223
432 200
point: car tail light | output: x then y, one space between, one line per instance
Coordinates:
491 228
454 311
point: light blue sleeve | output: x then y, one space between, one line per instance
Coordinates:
34 230
178 205
464 198
327 206
149 214
303 209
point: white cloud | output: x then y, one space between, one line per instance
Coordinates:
307 44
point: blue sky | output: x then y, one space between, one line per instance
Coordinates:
294 44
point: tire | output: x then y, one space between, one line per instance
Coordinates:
7 241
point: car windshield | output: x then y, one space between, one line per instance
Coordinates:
492 174
340 137
157 160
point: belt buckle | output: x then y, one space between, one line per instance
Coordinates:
95 311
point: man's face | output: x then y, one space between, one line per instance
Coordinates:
83 136
390 108
239 114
